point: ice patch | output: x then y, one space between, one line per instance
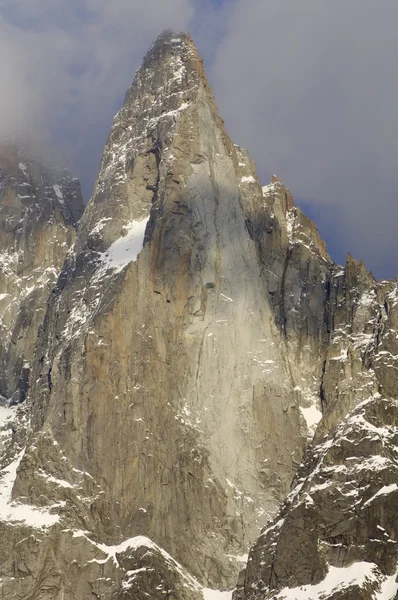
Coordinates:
249 179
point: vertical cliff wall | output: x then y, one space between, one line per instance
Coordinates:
197 350
39 209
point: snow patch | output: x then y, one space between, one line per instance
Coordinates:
337 579
56 481
23 168
290 221
242 559
226 298
15 512
270 189
6 419
125 249
135 543
384 491
171 113
393 297
100 225
59 193
367 298
209 594
312 416
342 357
6 414
388 588
179 73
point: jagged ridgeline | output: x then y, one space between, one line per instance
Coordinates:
172 363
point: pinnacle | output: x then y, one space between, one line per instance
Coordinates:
169 36
170 72
167 44
276 179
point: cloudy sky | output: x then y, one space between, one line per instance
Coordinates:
310 87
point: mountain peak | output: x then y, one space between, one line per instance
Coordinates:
169 40
169 62
166 93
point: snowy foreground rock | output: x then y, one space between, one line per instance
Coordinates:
171 364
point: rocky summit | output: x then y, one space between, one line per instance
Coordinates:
196 401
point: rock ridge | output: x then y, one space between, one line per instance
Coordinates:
39 209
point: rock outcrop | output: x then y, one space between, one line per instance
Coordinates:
198 350
39 210
336 534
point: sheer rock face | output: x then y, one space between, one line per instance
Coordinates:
339 523
167 377
340 516
39 208
163 376
196 335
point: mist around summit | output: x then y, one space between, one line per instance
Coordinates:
308 89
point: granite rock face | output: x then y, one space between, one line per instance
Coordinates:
165 371
197 350
336 534
39 209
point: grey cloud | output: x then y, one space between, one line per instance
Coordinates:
65 67
311 89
